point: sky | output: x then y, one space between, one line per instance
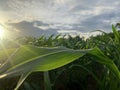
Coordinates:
46 17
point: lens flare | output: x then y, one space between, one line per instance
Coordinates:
1 31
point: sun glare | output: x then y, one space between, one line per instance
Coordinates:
1 31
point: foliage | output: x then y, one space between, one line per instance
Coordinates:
90 65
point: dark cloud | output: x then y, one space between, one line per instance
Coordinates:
3 5
40 23
78 8
27 28
102 21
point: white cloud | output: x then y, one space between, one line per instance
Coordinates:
74 33
64 14
35 9
55 11
67 31
58 11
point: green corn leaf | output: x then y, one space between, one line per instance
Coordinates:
5 53
40 59
116 34
47 81
21 80
28 59
101 58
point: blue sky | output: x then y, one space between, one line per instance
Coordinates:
36 17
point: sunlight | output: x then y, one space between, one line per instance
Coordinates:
60 1
1 32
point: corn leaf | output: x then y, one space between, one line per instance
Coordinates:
28 59
116 34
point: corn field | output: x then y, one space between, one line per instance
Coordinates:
59 63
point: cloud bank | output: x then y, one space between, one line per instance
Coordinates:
54 16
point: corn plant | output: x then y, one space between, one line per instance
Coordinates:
26 59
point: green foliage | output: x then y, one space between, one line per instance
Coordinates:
101 65
42 59
47 81
116 33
